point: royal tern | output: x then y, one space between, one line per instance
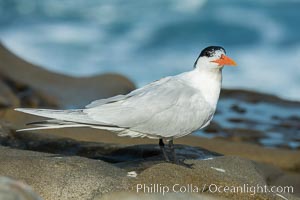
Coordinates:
166 109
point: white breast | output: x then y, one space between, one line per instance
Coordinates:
208 82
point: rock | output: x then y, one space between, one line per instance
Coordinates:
285 159
26 96
62 177
275 118
16 190
206 175
276 177
3 130
288 179
7 97
256 97
242 134
6 135
129 157
64 167
213 128
65 176
167 196
238 109
142 158
65 90
246 121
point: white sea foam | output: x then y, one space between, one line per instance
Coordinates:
188 5
267 69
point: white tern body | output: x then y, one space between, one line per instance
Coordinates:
169 108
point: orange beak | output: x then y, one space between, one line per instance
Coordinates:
224 60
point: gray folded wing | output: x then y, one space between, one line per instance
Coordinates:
167 108
144 89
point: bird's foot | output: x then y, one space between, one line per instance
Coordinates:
174 159
182 163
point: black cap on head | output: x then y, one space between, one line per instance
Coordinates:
210 51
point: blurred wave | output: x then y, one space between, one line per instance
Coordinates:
147 40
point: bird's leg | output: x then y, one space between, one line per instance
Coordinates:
171 146
162 148
176 160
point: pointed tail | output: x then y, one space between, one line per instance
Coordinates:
75 115
58 118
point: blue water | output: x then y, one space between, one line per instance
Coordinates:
146 40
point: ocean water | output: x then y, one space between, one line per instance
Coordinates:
147 40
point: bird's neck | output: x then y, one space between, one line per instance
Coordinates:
209 82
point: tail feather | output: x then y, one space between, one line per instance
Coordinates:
75 115
49 122
56 124
63 119
51 127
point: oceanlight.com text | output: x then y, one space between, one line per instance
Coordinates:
212 188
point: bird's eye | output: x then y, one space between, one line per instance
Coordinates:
208 54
